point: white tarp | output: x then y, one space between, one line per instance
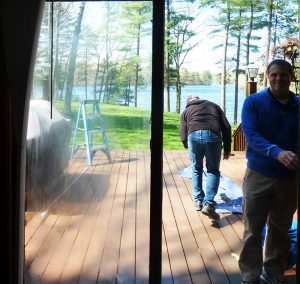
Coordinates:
229 196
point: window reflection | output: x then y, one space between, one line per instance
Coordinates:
91 54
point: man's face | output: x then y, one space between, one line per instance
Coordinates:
280 80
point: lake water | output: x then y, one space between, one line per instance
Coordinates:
209 92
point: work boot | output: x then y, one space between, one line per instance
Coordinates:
210 211
265 278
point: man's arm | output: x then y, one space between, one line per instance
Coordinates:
183 131
226 134
252 128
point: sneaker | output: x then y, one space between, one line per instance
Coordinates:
210 211
265 278
198 205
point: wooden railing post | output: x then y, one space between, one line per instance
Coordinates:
239 141
251 88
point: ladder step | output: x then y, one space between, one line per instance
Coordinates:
90 102
96 131
90 116
99 148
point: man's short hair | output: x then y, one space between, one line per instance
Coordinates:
281 62
191 98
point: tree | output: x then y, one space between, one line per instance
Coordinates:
252 21
110 40
268 45
137 17
62 17
168 59
180 43
236 32
72 63
206 77
289 50
223 26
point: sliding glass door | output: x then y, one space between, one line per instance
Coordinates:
88 170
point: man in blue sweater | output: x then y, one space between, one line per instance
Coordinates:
270 125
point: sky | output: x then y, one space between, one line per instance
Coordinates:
206 57
203 57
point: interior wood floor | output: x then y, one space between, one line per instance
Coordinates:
97 231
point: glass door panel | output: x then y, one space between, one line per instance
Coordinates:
88 144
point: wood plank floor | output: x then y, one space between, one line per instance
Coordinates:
98 230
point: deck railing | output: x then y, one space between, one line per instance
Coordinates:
239 141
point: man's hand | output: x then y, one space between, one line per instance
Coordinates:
226 155
289 159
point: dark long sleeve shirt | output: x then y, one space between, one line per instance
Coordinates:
205 115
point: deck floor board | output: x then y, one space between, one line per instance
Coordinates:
98 230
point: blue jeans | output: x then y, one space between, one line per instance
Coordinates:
205 144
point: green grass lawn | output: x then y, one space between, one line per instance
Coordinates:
129 127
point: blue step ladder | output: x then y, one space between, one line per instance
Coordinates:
89 120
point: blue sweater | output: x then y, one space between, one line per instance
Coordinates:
269 128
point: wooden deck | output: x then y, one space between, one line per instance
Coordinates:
98 231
